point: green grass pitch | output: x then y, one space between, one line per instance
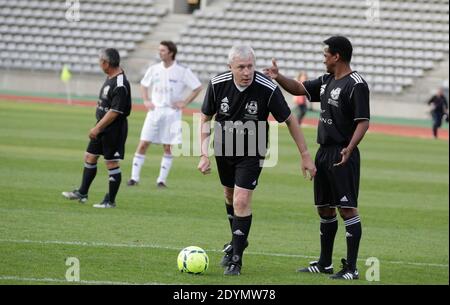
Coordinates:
403 199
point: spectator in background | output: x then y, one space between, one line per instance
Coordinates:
300 100
193 5
439 109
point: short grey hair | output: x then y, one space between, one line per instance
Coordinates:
241 51
111 56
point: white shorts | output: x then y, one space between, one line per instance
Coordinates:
162 126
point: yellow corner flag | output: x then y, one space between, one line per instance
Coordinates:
65 74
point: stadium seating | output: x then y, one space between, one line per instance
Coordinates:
392 45
36 35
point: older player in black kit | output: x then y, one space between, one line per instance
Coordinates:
344 120
109 134
241 100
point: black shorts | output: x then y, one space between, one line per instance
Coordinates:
336 186
239 171
110 144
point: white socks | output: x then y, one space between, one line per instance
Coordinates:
138 161
166 164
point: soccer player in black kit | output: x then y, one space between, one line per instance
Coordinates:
108 136
344 98
241 100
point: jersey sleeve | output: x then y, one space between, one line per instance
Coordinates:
278 106
119 99
209 103
312 88
191 80
148 77
360 102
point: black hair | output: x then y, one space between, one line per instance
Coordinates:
340 45
111 56
171 46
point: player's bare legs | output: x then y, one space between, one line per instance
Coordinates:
138 162
229 194
242 201
142 147
90 158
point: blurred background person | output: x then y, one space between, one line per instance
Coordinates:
300 100
439 109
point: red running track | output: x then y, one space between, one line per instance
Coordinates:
388 129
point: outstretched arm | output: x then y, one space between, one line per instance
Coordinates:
290 85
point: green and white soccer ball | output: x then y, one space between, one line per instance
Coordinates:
193 260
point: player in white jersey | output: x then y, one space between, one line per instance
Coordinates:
169 82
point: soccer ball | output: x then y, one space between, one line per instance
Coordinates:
193 260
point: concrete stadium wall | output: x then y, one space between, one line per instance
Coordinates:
49 83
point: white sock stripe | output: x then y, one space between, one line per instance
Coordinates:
139 156
90 166
324 220
351 221
114 171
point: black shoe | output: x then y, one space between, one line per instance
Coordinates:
75 195
314 267
345 273
132 182
233 269
161 185
228 250
105 204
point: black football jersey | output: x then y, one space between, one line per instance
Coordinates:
343 103
241 117
115 95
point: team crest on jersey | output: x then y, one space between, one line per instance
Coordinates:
224 107
322 89
335 93
252 107
105 92
334 100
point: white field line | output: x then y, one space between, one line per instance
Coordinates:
156 246
51 280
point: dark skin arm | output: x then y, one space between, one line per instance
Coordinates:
358 135
290 85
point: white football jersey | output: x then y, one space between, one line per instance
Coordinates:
169 84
